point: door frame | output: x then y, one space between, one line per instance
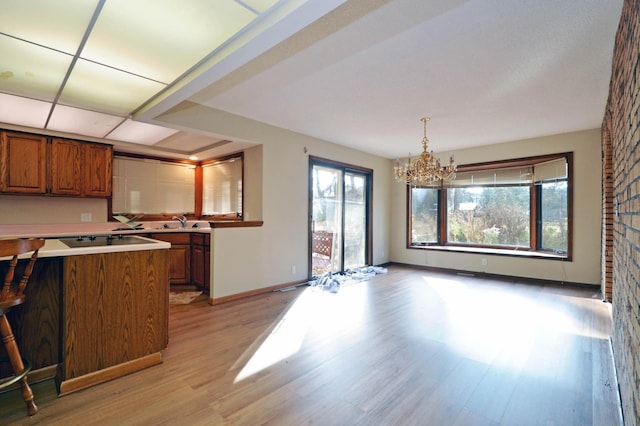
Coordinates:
343 167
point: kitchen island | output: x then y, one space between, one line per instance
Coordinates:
95 310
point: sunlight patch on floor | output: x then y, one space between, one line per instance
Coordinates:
493 326
316 311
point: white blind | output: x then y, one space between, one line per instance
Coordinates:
550 170
152 186
493 177
222 187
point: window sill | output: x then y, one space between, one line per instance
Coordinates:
494 251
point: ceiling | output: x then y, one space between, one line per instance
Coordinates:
359 73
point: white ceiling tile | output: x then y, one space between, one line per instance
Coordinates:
57 24
29 70
171 38
23 111
106 90
259 5
142 133
82 122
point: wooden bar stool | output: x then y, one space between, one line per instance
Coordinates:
13 295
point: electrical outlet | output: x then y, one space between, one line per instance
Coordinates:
484 261
293 269
85 217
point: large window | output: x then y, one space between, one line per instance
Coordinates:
521 205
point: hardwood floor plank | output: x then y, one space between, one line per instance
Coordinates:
407 347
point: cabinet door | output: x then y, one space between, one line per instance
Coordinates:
98 167
179 256
179 264
197 265
66 158
207 267
23 163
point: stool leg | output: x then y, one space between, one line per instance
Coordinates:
16 362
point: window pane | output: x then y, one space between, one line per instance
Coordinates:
152 186
355 220
554 216
424 217
222 187
489 215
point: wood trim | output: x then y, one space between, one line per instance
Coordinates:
525 161
509 278
72 385
197 188
244 294
236 224
36 376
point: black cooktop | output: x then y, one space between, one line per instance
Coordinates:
103 240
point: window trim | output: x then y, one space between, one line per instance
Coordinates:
533 251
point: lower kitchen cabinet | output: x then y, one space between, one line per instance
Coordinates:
179 256
188 258
200 254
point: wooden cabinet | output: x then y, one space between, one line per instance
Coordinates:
30 164
179 256
200 255
66 160
98 172
114 315
188 258
23 160
36 324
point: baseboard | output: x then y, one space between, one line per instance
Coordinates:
236 296
77 383
499 277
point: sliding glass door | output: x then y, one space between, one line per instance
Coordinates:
339 217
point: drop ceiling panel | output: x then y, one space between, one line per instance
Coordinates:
187 142
141 133
259 5
57 24
30 70
23 111
103 89
82 122
171 38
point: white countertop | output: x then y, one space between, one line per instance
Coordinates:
56 248
53 247
91 228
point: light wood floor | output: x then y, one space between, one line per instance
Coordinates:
408 347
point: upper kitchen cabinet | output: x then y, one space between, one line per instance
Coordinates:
98 171
23 160
29 164
66 160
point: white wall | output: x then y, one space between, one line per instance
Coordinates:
585 266
21 209
252 258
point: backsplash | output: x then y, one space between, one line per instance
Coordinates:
18 209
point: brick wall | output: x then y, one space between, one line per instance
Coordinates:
623 111
607 212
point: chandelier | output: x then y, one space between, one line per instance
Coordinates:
426 169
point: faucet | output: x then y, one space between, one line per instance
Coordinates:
182 220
